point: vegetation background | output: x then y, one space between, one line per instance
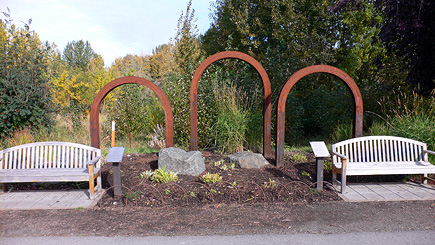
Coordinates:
386 46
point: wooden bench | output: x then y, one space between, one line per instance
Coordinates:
51 162
380 155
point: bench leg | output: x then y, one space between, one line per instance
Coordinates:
343 183
2 188
424 178
99 187
91 189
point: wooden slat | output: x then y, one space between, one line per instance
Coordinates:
76 160
27 157
14 160
59 150
80 160
63 156
68 150
20 159
50 153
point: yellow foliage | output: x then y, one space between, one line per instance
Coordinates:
66 88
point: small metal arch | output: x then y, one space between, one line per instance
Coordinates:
351 85
267 110
95 108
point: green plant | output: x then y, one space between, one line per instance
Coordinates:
133 195
409 116
270 183
298 157
146 174
342 132
209 178
231 123
327 165
163 176
224 167
218 163
24 69
305 174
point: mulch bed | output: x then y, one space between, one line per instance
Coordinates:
292 183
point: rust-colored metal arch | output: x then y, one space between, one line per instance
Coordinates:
267 110
95 108
351 85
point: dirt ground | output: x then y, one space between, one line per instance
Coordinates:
292 183
270 200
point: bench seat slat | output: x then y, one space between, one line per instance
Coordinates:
45 175
389 168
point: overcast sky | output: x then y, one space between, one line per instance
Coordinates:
114 28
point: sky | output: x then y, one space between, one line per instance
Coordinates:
114 28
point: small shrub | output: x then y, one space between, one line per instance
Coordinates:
133 195
209 178
146 174
298 157
163 176
218 163
271 183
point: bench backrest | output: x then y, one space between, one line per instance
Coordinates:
381 149
50 154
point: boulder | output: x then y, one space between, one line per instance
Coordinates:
248 160
181 162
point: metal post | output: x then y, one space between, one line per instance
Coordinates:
117 191
319 169
115 157
320 151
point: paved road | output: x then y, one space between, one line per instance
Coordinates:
384 238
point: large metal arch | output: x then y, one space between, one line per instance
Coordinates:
267 109
351 85
95 108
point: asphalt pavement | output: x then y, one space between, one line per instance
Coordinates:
361 238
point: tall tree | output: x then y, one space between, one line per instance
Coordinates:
409 30
187 53
78 54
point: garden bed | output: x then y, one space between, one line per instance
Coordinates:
292 183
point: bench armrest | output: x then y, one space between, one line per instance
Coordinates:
430 152
339 155
93 161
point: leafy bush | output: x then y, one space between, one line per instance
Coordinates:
136 110
24 88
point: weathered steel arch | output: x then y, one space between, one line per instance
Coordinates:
95 108
267 110
351 85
